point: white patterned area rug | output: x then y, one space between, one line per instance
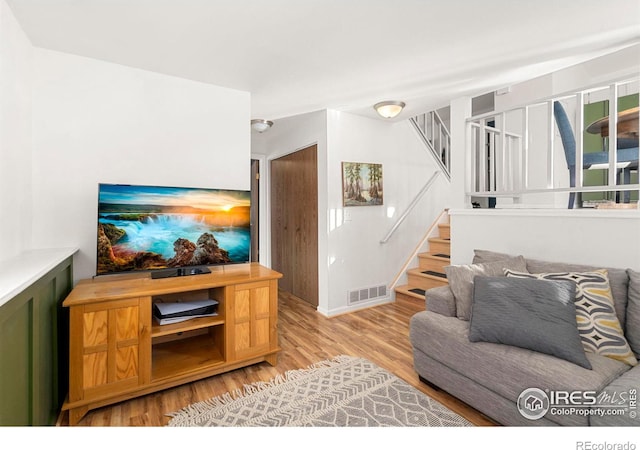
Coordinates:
343 392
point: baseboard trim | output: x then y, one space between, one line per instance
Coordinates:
353 308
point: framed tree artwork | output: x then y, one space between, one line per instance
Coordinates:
361 184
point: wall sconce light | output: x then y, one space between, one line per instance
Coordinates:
389 109
261 125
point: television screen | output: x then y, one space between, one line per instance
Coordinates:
155 227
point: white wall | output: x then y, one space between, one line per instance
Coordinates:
357 259
460 159
349 250
16 58
600 238
99 122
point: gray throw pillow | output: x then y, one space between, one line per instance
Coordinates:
461 277
598 325
538 315
633 312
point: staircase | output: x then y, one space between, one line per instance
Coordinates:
430 271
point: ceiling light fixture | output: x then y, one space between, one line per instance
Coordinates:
389 109
261 125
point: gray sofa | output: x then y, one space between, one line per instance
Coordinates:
490 377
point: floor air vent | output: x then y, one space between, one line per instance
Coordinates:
370 293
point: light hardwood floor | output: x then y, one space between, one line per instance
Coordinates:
380 334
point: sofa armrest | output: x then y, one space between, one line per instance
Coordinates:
441 300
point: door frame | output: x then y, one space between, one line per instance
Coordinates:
264 211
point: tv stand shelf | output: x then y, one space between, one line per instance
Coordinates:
118 351
188 355
188 325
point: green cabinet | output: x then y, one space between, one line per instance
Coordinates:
34 350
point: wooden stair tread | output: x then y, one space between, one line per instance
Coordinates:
418 291
439 256
430 272
434 275
410 291
444 230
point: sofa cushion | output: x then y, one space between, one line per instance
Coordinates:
597 322
485 256
461 277
528 313
633 312
618 278
619 393
489 403
504 369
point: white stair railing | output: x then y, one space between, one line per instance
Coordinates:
517 152
497 156
436 137
412 205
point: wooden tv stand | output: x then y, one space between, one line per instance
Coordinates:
117 351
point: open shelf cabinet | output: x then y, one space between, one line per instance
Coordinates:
118 351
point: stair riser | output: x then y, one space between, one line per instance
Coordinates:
433 264
444 231
424 283
440 247
403 296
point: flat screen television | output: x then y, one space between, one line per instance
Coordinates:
171 230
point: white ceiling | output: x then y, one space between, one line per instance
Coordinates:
297 56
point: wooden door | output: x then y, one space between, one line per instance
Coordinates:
294 222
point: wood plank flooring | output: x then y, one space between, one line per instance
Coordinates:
380 334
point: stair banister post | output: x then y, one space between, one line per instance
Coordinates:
579 135
525 150
613 135
551 143
503 153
